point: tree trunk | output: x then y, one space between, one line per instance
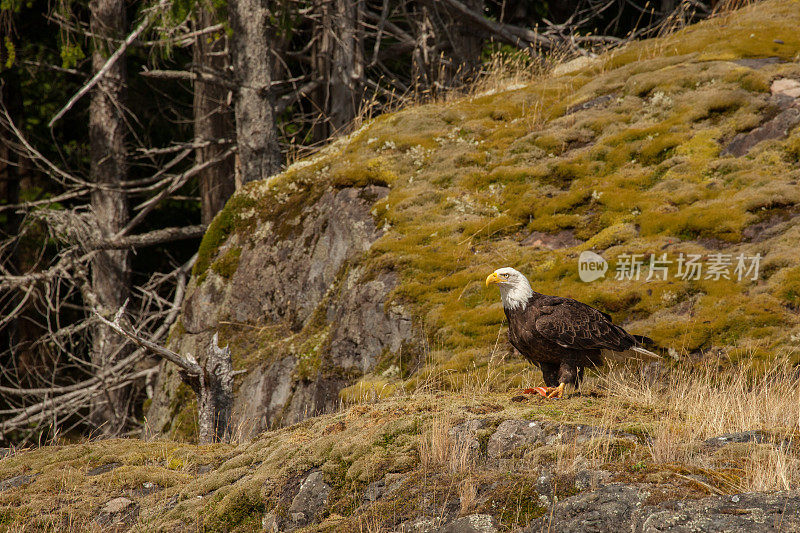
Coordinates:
111 269
212 383
347 64
425 60
448 49
212 119
321 54
256 135
467 46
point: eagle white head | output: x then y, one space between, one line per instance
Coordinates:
515 290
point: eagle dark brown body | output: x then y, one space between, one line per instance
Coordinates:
561 335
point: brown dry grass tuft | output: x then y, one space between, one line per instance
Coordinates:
690 405
438 449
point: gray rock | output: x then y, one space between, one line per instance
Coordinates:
377 489
591 479
774 128
474 523
548 241
102 469
118 512
465 436
310 501
758 62
594 102
581 434
608 509
290 271
374 490
16 481
741 436
424 524
752 512
269 523
512 435
618 507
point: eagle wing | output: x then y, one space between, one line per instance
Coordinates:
575 325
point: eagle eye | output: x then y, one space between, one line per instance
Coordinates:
504 275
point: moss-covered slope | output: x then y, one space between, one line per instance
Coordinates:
635 154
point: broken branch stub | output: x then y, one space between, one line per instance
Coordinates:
212 383
214 389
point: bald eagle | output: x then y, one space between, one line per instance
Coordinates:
561 335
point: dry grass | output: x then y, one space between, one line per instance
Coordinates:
728 6
440 450
708 401
690 405
467 494
673 411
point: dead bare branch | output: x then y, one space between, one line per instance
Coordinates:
110 63
186 75
152 238
514 35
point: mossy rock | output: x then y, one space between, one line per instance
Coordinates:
626 155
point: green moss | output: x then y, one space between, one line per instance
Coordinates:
368 389
373 172
182 424
177 331
226 265
514 500
655 151
310 354
227 221
640 172
789 291
793 147
239 509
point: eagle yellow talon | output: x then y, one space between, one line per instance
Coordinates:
555 393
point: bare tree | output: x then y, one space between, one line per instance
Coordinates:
464 43
256 134
347 63
111 269
213 119
425 60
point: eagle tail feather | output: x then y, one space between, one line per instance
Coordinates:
646 353
634 352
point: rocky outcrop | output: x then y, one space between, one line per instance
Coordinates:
786 115
118 514
16 481
311 499
618 507
325 319
513 436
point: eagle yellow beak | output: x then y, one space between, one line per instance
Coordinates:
492 278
